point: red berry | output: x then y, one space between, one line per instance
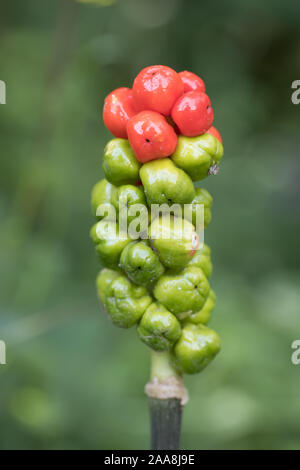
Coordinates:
157 88
215 132
150 136
118 109
192 82
193 113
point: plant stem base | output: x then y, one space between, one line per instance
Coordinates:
167 396
165 417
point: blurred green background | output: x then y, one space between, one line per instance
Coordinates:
72 379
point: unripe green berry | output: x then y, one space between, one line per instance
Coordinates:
104 280
103 193
184 293
174 240
119 163
126 196
202 198
126 302
195 155
141 264
196 348
165 183
201 259
159 328
203 316
109 242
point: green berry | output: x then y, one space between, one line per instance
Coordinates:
104 280
109 242
183 293
103 193
195 155
119 163
202 198
196 348
159 328
174 239
203 316
126 302
165 183
141 264
125 198
201 259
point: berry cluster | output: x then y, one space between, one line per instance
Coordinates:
164 141
161 105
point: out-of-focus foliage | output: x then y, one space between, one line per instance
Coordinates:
72 379
101 3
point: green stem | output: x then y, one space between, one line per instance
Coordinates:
161 367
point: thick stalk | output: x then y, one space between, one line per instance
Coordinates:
165 419
167 396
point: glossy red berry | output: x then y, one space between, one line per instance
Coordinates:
118 109
191 82
150 136
156 88
193 113
215 132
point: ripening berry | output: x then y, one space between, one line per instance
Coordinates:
150 136
156 88
191 82
193 113
118 109
213 131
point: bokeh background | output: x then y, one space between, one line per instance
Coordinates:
72 379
